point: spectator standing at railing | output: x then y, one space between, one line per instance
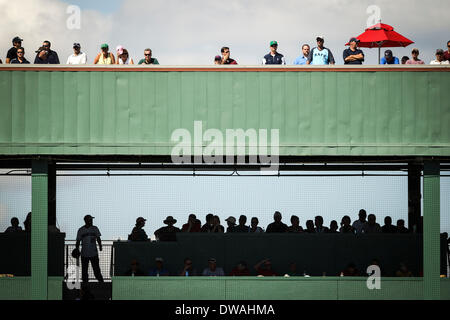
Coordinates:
193 224
371 226
389 58
138 233
318 221
217 60
277 226
388 227
320 55
240 270
264 268
148 58
334 227
447 52
89 235
231 222
213 270
217 227
274 57
439 58
27 223
295 225
77 57
134 270
20 57
346 226
158 270
168 233
401 226
226 56
12 53
105 57
361 222
209 225
14 228
304 57
45 55
123 57
405 59
310 227
188 269
254 226
415 57
242 228
353 55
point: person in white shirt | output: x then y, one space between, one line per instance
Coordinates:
361 222
123 57
439 58
77 57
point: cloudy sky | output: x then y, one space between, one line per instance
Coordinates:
191 32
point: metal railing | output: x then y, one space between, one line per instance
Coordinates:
106 260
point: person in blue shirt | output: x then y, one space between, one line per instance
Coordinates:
304 57
320 55
159 270
389 58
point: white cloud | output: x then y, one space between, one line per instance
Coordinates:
192 32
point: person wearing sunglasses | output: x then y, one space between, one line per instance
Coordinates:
439 58
20 57
105 57
320 55
274 57
77 57
148 58
226 56
45 55
415 57
447 52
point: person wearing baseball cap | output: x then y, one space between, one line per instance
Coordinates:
353 55
273 57
320 55
439 58
12 53
105 57
88 235
158 270
138 233
389 58
231 222
77 57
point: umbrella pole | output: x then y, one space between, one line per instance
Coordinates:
379 55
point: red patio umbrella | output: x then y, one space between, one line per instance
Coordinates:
382 36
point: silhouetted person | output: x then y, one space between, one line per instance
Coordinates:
254 226
346 225
401 226
334 227
361 222
158 270
264 268
231 224
318 221
138 233
293 270
168 233
310 227
213 270
193 224
350 271
403 271
375 262
295 225
241 227
14 228
134 270
27 223
388 227
208 226
277 226
88 235
372 226
241 270
217 227
188 269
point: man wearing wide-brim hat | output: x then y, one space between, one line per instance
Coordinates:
167 233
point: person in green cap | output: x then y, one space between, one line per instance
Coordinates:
274 57
148 58
105 57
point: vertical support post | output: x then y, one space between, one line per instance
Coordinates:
52 194
414 195
431 230
39 230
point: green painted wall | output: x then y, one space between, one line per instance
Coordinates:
20 288
317 113
253 288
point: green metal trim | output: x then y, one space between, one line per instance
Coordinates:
39 232
431 230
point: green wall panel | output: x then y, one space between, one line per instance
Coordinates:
19 288
318 113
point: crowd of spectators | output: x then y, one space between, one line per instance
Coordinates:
319 55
